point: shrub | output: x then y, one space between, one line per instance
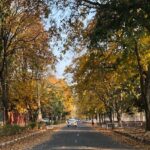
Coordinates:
32 125
11 130
48 123
41 125
55 122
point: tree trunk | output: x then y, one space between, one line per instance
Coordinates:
103 118
118 113
100 118
118 117
4 97
147 109
30 115
110 115
4 72
145 87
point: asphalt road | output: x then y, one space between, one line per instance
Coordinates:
83 138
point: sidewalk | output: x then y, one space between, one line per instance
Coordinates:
135 137
135 133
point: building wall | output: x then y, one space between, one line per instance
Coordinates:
135 117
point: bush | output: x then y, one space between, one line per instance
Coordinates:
32 125
48 123
41 125
11 130
36 125
55 122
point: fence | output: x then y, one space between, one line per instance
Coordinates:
124 124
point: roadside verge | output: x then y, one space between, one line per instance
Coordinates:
17 138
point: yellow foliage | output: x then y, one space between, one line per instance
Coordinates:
63 90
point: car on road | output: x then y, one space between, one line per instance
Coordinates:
72 122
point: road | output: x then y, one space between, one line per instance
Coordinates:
82 137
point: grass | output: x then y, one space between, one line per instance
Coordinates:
8 130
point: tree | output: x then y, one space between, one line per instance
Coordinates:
57 99
114 21
33 58
16 19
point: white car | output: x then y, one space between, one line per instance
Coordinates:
72 122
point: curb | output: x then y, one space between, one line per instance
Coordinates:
139 139
23 137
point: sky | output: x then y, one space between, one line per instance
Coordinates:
67 58
61 65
